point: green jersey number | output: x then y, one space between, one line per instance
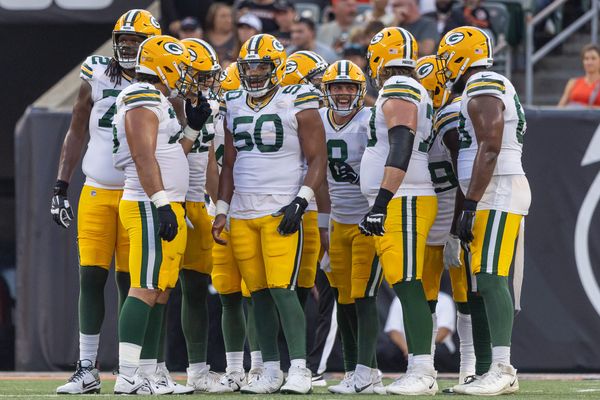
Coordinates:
337 152
442 176
372 131
256 139
206 138
521 116
107 118
426 144
463 136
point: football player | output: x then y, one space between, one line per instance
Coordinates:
497 195
100 234
355 271
146 148
395 179
269 131
443 247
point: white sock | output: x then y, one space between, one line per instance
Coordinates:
298 363
129 358
410 361
422 362
433 335
235 361
148 366
467 351
197 367
362 373
501 354
272 367
88 347
256 360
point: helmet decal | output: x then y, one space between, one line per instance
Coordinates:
291 66
377 38
455 38
277 45
424 70
154 23
173 48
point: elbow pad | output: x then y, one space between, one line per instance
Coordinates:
401 140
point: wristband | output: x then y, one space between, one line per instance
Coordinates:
306 193
222 207
323 220
190 134
381 201
159 199
469 205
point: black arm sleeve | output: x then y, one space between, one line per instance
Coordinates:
401 140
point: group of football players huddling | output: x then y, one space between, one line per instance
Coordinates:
277 161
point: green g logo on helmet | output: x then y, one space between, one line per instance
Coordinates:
454 38
424 70
173 48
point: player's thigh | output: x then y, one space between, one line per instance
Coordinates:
281 254
494 236
310 250
433 266
340 261
173 251
367 272
225 275
247 251
198 251
97 222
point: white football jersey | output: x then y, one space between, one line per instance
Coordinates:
97 162
169 153
198 156
268 169
443 177
417 181
347 144
490 83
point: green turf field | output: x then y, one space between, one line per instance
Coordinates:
530 389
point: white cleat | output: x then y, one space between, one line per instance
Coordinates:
163 379
299 381
136 384
346 385
373 386
465 381
266 382
204 380
500 379
415 383
231 382
318 380
254 374
85 380
378 386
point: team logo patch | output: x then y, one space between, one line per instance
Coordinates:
154 23
193 55
424 70
223 75
291 66
277 45
173 48
377 38
454 38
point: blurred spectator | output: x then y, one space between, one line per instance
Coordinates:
248 25
304 38
377 13
219 32
284 15
173 11
446 323
263 9
585 90
408 16
472 14
189 28
441 15
335 33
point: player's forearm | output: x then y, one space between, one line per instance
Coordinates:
226 184
186 145
441 334
323 199
315 175
70 154
212 176
398 339
149 173
458 206
392 179
483 169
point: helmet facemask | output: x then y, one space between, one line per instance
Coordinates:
257 76
126 53
206 81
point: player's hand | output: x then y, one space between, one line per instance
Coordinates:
465 223
452 252
60 208
346 173
373 223
197 115
292 216
167 223
217 228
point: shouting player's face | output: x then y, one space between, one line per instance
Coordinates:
343 94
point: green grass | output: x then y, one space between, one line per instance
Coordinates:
543 389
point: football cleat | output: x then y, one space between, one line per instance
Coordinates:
378 386
231 382
373 386
463 381
346 385
163 379
415 383
318 380
204 380
500 379
298 381
86 379
254 374
266 382
136 384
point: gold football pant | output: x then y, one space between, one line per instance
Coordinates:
310 250
432 274
153 262
198 250
226 276
355 269
401 249
100 233
265 258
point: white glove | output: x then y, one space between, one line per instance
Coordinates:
452 252
325 263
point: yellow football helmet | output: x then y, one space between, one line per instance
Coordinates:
230 78
205 64
166 58
261 64
462 48
303 68
430 70
133 22
344 71
391 47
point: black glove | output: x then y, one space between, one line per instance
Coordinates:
465 223
167 227
198 114
61 209
292 216
374 222
346 173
